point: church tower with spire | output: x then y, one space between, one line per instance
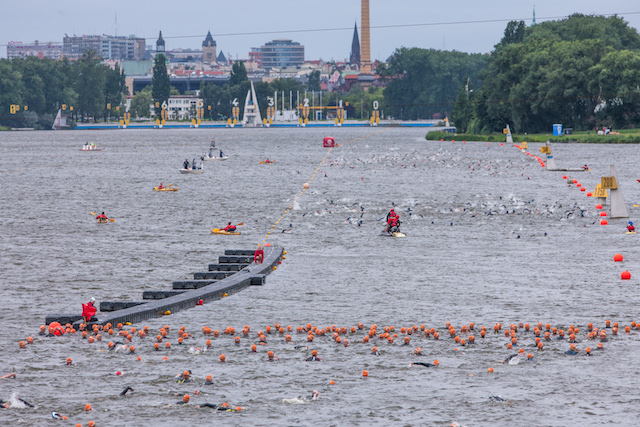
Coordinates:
209 50
160 44
354 58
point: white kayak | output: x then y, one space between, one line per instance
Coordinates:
191 170
394 234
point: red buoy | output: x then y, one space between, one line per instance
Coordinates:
598 206
625 275
604 222
603 214
618 257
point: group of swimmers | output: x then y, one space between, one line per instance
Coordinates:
88 147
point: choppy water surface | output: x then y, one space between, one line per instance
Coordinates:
462 262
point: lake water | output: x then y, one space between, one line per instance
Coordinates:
491 237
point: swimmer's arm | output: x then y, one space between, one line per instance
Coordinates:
11 375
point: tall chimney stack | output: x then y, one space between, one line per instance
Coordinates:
365 49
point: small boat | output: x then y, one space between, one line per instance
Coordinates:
165 189
219 231
208 158
267 163
191 170
88 148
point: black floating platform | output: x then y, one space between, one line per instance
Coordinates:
62 318
252 274
240 252
212 275
226 267
160 294
235 259
191 284
118 305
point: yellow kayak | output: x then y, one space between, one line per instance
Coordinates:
103 221
165 189
219 231
267 163
632 232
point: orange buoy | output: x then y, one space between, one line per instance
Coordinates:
589 194
564 176
625 275
603 222
617 258
490 370
603 214
365 373
598 206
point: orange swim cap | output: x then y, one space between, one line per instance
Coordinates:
185 398
490 370
365 373
209 378
222 358
87 407
314 353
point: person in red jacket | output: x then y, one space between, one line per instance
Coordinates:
89 310
230 228
258 256
393 224
102 217
630 227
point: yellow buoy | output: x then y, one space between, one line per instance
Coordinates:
168 312
274 267
284 253
225 295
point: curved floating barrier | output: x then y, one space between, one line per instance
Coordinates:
234 272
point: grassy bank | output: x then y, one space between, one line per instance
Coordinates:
629 136
4 128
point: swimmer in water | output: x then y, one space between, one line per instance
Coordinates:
224 407
184 377
208 380
573 350
498 399
375 351
184 401
11 375
315 395
314 357
435 364
418 352
124 392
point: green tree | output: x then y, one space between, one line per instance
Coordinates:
11 89
238 74
112 90
570 71
422 82
463 110
90 85
141 102
161 83
314 81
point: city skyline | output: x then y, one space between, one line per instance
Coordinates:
418 24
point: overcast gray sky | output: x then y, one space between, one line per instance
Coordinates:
445 24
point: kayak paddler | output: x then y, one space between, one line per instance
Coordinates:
102 216
229 228
160 187
630 227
